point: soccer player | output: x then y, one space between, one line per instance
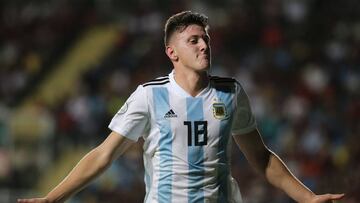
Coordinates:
187 120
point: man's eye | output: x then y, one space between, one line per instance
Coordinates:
193 41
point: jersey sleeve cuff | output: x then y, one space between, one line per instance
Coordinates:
122 132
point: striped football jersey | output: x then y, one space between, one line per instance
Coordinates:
186 139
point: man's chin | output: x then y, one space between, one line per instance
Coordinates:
204 68
206 65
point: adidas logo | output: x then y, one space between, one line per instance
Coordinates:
170 114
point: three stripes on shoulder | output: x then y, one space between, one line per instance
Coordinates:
165 79
157 81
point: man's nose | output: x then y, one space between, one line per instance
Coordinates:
203 45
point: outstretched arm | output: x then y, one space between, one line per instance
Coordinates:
275 171
89 167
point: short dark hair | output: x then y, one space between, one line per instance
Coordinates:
180 21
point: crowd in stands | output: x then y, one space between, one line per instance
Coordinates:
298 60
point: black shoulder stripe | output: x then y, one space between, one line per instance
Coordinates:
158 79
222 80
155 83
225 79
216 78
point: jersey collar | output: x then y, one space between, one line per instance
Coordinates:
181 91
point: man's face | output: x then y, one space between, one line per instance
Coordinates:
192 48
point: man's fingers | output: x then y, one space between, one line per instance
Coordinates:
333 196
337 196
34 200
25 201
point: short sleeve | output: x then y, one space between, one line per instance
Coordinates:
132 118
244 120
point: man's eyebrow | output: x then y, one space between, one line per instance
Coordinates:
191 36
197 36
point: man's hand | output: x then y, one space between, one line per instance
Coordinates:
326 198
33 200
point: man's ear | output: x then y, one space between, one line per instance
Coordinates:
171 53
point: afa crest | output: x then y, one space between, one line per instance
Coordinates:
219 111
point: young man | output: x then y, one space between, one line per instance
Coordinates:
187 120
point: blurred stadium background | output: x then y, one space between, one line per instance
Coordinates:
67 66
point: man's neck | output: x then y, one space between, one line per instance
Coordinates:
192 82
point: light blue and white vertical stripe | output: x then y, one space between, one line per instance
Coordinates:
195 153
225 128
161 105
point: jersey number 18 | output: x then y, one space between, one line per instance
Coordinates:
200 132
